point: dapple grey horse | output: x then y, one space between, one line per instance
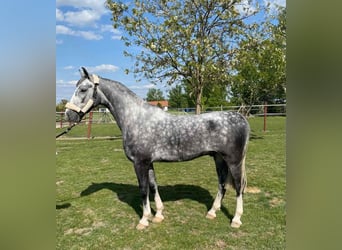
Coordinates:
153 135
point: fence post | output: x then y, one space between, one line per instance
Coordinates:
89 124
265 115
61 122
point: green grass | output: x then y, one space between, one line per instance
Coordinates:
98 203
97 130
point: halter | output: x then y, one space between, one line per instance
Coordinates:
90 102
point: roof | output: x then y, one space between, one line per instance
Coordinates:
162 103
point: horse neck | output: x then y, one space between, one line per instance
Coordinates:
122 103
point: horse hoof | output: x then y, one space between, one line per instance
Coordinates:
157 219
210 216
140 226
236 224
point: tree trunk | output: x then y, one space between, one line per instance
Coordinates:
199 100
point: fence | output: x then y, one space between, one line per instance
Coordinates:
252 110
98 117
104 117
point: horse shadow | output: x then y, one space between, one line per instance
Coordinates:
129 194
63 206
255 136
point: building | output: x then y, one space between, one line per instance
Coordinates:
164 105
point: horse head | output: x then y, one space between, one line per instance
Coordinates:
84 97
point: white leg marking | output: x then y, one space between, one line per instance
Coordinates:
159 205
216 206
143 223
236 223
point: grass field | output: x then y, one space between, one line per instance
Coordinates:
98 203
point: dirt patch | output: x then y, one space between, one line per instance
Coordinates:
221 244
85 230
79 231
104 160
89 212
59 183
252 190
275 202
98 224
238 234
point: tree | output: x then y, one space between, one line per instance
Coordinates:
215 96
60 107
189 41
260 65
154 95
177 97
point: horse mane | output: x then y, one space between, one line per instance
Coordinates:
127 92
122 88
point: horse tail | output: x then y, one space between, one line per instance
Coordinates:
243 175
243 167
242 139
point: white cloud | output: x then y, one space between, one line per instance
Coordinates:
81 18
61 29
89 35
86 12
58 41
59 15
66 83
146 86
109 28
103 68
116 37
69 67
92 4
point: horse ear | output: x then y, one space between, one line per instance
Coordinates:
84 73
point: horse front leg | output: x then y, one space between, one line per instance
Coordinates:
141 170
217 202
154 188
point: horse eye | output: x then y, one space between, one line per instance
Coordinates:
83 89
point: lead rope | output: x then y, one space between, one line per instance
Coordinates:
67 130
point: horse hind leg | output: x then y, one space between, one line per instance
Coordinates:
222 174
240 182
154 189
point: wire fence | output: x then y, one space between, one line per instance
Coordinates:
247 110
104 119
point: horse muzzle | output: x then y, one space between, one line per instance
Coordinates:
72 116
75 113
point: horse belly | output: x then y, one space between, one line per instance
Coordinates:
165 153
174 150
194 150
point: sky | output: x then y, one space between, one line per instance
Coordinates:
85 37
